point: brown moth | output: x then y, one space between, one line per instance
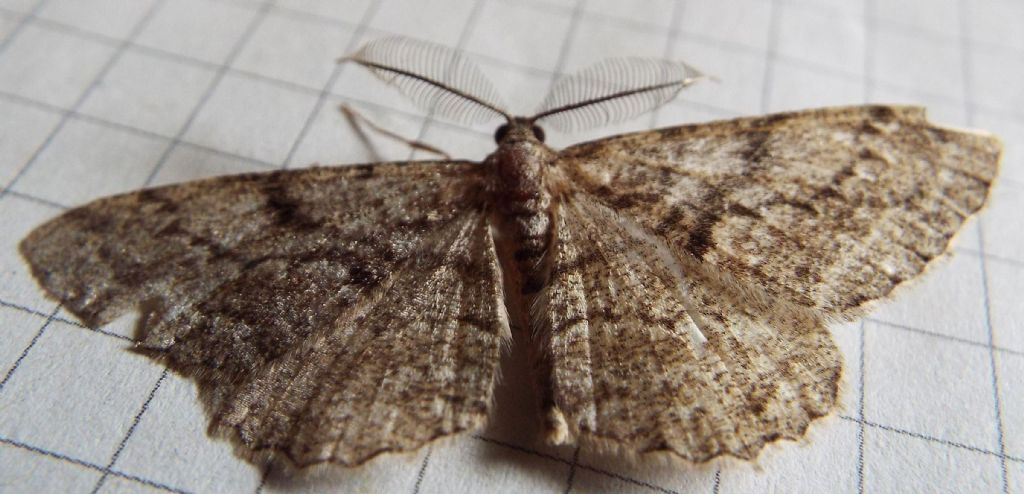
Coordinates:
673 285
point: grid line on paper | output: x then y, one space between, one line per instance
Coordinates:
264 477
582 466
770 55
967 71
996 401
159 53
917 31
357 35
28 348
121 48
21 25
214 83
37 200
308 16
131 430
91 466
678 6
572 470
122 127
575 16
997 258
32 311
111 61
1019 117
62 320
860 409
947 337
937 440
422 472
148 133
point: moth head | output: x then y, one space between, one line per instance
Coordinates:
519 129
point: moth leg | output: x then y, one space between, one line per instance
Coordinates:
360 123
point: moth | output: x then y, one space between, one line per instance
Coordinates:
673 285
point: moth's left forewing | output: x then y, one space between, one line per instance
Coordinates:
827 209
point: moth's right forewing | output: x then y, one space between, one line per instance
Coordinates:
328 314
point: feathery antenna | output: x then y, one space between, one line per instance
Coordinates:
614 90
435 77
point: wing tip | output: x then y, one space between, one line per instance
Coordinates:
31 250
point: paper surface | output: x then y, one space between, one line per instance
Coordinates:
103 97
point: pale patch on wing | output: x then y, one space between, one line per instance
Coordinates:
827 209
327 314
617 320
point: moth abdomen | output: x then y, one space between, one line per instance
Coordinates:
519 167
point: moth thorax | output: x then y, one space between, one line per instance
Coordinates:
524 202
519 168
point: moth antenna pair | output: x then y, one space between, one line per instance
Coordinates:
445 82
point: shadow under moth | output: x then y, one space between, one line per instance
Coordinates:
673 285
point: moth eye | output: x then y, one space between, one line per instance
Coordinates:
538 133
500 134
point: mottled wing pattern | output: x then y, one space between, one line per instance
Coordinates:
653 354
694 268
827 209
328 314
